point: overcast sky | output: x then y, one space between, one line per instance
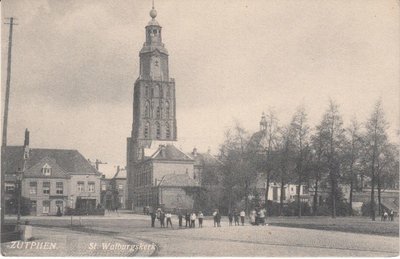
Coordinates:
75 63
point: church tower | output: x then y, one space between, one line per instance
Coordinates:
154 108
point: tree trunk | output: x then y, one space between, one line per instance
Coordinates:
298 198
281 198
315 201
372 197
266 196
379 195
351 195
333 194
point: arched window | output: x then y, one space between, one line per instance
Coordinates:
147 109
167 131
146 91
152 92
146 130
161 92
167 109
158 130
155 91
158 112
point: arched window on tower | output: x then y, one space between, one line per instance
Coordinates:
146 91
167 131
146 130
158 130
155 91
147 109
167 109
158 112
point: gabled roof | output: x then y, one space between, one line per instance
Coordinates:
36 170
69 161
170 152
178 180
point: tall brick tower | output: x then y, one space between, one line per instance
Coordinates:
154 109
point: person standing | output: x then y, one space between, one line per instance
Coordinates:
236 216
169 222
391 215
215 217
162 219
180 217
187 219
218 218
153 218
242 215
253 217
262 216
201 216
193 220
230 217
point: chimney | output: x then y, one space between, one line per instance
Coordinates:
26 141
194 152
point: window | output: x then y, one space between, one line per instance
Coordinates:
81 187
147 91
297 190
10 187
46 207
103 187
32 187
167 131
275 193
167 109
46 187
158 112
158 130
161 91
91 187
168 91
147 109
46 170
120 187
59 188
146 130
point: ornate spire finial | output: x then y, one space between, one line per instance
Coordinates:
153 12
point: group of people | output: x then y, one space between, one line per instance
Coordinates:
387 216
191 218
235 215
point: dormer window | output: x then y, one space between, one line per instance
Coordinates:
46 170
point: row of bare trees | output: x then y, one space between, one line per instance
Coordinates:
323 158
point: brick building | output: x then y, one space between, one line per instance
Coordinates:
51 178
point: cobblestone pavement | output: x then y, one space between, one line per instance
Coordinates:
131 229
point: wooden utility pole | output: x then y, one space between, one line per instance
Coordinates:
7 99
5 119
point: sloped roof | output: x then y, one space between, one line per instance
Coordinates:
178 180
70 161
205 159
170 152
36 170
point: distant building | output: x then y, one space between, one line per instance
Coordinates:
52 178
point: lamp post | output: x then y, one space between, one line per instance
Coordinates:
19 176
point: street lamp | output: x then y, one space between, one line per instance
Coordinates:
19 177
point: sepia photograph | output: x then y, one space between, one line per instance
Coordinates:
200 128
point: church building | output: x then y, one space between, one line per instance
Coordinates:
159 174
